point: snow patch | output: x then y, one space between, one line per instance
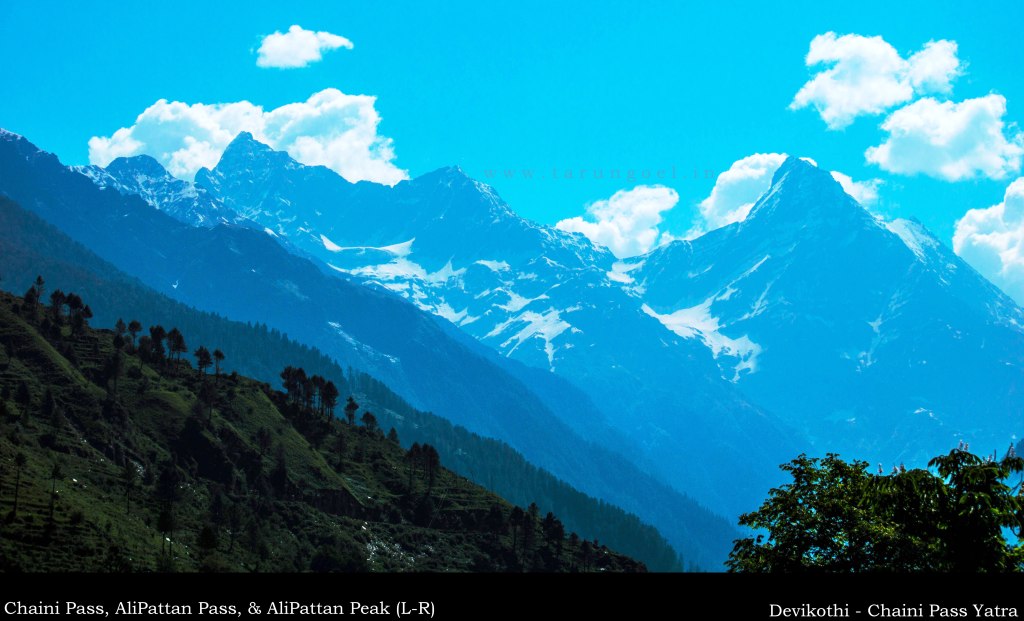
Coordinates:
620 271
446 311
752 269
328 244
546 326
445 274
494 266
913 236
399 269
402 249
876 324
517 302
698 322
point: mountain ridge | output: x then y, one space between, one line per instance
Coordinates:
169 256
532 293
843 312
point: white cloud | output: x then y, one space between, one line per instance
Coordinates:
297 48
330 129
627 223
868 76
992 241
949 140
864 192
737 189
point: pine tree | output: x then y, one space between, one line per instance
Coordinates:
203 359
157 334
350 411
329 396
40 287
134 327
218 357
57 299
412 457
176 343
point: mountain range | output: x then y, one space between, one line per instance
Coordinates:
534 294
869 335
242 273
812 325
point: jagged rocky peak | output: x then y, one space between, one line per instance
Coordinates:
137 164
247 153
9 135
802 193
444 175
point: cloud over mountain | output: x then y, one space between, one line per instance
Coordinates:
330 128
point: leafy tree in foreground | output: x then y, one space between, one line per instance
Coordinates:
836 517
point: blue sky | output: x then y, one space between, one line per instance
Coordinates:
524 86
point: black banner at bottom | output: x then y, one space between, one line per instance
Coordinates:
458 596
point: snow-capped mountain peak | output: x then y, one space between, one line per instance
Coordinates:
802 196
144 176
842 321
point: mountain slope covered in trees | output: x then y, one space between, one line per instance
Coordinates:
118 455
28 243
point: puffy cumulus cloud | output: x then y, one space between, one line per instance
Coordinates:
297 48
627 223
864 192
330 129
868 76
737 189
949 140
992 241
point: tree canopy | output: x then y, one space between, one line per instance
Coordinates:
835 516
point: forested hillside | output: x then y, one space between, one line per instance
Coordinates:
118 455
29 247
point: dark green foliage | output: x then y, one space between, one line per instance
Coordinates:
837 517
169 470
351 407
29 246
134 327
203 359
497 466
